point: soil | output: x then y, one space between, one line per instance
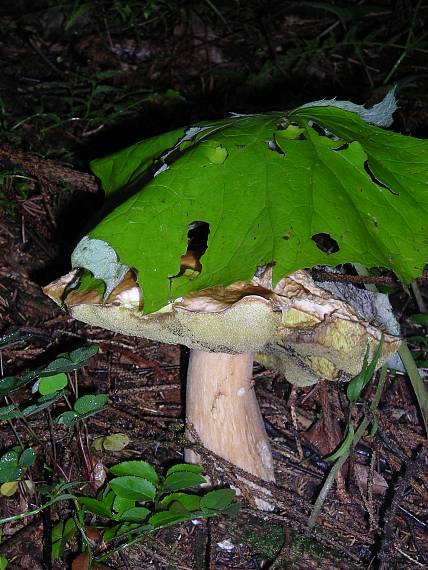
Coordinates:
80 80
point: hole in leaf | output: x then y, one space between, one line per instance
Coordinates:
376 180
273 145
197 243
343 146
322 131
326 243
318 129
283 124
290 131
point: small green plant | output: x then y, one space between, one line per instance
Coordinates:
14 185
13 466
352 436
49 385
50 382
62 532
353 392
137 499
137 502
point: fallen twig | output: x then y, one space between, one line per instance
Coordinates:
43 169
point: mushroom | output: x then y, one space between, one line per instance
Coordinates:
308 330
268 187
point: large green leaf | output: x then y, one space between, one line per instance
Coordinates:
182 480
135 488
217 500
137 468
51 384
97 507
266 185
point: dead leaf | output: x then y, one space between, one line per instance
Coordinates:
81 562
380 485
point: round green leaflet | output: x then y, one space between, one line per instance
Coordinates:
265 184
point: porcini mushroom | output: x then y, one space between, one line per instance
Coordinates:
300 328
260 188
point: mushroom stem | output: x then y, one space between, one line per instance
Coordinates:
223 409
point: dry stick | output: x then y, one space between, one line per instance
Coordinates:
389 537
365 279
416 380
283 555
341 461
418 297
212 546
48 170
358 279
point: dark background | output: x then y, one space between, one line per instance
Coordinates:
81 79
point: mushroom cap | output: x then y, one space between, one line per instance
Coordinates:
299 326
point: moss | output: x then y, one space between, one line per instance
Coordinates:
301 545
267 540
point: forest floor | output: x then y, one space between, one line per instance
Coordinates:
82 79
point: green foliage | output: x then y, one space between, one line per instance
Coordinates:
113 442
10 383
420 319
65 362
135 505
129 12
353 392
68 362
13 337
13 411
54 494
95 506
3 563
41 404
344 446
13 185
138 468
265 184
14 463
217 500
84 407
134 488
137 496
62 532
50 381
51 384
360 381
182 480
27 458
